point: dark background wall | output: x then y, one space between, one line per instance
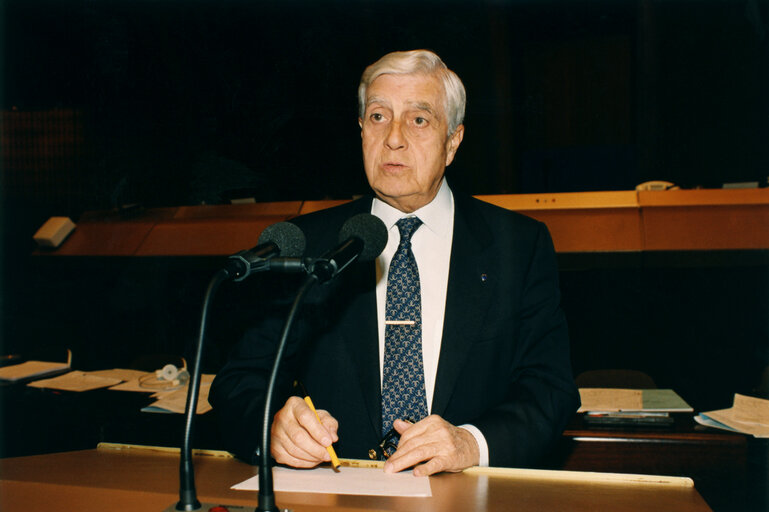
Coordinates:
163 103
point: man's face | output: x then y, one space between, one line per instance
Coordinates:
405 144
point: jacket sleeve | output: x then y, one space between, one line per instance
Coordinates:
541 395
239 388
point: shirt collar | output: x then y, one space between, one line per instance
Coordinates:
436 215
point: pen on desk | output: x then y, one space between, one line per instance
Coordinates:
330 449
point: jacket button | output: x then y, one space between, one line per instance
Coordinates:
372 454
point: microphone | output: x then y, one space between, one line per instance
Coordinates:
281 238
362 237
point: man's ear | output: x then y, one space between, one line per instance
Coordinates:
360 123
453 143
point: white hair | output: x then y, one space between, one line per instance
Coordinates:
419 62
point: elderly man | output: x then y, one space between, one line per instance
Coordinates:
450 350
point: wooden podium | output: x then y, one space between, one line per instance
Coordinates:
135 480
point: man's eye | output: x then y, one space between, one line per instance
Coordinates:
420 121
376 116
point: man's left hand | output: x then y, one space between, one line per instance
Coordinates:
435 445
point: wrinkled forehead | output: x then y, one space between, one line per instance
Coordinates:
421 90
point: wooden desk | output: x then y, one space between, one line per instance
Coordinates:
723 465
127 480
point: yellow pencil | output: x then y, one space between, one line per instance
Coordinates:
334 459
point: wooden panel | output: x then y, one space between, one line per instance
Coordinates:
581 222
283 209
314 206
566 200
592 230
103 239
702 197
204 237
619 221
706 227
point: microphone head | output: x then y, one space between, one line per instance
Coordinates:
370 229
287 236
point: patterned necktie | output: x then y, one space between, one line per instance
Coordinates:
403 383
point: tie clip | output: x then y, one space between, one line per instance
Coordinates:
400 322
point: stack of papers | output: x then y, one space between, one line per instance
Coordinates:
31 369
747 415
168 400
631 400
176 401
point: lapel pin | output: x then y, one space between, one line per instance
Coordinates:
484 278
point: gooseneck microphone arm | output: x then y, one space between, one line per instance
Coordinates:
266 489
282 237
364 237
188 500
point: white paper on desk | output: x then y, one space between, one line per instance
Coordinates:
123 374
751 410
727 417
359 481
176 401
75 381
31 369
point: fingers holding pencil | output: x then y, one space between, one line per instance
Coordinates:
330 449
301 435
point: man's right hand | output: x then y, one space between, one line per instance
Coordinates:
298 439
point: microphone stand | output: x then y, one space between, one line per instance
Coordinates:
188 500
266 489
320 271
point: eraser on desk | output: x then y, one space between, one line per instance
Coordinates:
54 232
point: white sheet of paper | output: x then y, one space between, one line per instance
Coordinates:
75 381
30 369
360 481
176 401
728 418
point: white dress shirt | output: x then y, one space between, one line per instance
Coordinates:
431 245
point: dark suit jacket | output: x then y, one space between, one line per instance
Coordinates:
504 363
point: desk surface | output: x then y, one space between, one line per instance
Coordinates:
120 480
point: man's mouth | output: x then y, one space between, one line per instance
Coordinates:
393 166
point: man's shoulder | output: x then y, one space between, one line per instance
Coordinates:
341 211
322 226
494 215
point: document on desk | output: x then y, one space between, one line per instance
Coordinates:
748 415
75 381
639 400
32 369
176 401
359 481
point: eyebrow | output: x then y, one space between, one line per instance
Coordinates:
376 99
419 105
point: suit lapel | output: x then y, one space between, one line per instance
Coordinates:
363 343
360 330
466 298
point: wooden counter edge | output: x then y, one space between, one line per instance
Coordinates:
553 475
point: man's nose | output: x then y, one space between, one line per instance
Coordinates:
395 138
